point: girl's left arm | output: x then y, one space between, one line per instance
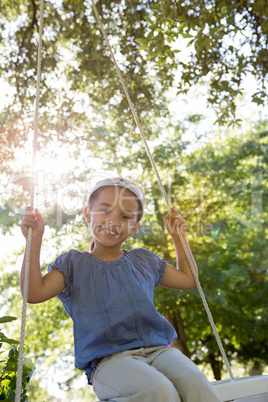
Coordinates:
180 277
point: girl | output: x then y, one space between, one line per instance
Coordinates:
121 341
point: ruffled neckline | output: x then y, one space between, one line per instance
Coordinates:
112 262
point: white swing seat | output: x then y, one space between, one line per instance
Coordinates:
243 387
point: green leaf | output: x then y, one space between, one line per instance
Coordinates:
142 41
10 341
190 42
151 22
7 319
143 47
28 364
186 35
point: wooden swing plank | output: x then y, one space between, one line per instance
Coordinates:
256 398
243 387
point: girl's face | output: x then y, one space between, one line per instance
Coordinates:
113 216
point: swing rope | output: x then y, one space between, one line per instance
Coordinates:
136 118
29 236
187 253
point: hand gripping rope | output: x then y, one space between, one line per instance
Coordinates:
29 238
188 255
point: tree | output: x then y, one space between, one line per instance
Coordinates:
227 40
70 47
223 200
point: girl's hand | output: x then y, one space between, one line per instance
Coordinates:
32 219
173 220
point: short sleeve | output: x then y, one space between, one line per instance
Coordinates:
63 263
152 262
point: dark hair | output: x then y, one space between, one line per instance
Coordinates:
90 203
93 197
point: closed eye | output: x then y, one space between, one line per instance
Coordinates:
126 217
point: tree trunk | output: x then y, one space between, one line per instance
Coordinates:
174 317
216 366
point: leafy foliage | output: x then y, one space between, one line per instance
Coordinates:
225 193
80 88
226 39
9 366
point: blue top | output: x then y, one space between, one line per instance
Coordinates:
111 304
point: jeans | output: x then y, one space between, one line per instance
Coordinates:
155 374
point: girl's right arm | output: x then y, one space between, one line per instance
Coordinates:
41 288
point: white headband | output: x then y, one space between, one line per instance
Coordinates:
119 181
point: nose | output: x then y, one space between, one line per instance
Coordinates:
113 218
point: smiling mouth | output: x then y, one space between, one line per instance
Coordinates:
110 233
